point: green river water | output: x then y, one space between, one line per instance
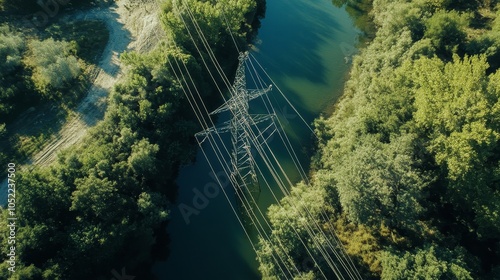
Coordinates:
302 44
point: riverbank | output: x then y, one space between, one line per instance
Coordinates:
402 163
213 245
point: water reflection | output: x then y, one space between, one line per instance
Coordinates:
300 49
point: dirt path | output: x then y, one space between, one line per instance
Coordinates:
131 26
93 106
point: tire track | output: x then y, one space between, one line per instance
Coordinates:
91 109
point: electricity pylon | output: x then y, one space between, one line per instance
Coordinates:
243 175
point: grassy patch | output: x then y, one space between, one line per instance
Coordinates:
90 37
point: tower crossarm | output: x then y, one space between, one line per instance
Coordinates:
224 107
225 127
254 93
264 134
232 102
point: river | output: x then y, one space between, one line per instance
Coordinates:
303 45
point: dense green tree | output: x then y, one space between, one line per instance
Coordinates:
11 50
377 183
12 83
54 65
216 26
446 30
408 162
426 263
142 159
454 103
489 44
148 203
96 198
32 6
21 6
457 105
210 17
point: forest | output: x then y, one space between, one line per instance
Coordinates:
98 208
407 167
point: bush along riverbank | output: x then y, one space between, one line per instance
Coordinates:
407 167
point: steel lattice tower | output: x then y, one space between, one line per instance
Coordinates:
243 173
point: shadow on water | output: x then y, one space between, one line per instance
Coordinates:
161 250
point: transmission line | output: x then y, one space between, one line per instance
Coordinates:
249 132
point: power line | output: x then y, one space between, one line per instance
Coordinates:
245 133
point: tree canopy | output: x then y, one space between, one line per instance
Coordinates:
407 165
53 64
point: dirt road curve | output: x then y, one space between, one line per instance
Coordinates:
92 107
130 27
